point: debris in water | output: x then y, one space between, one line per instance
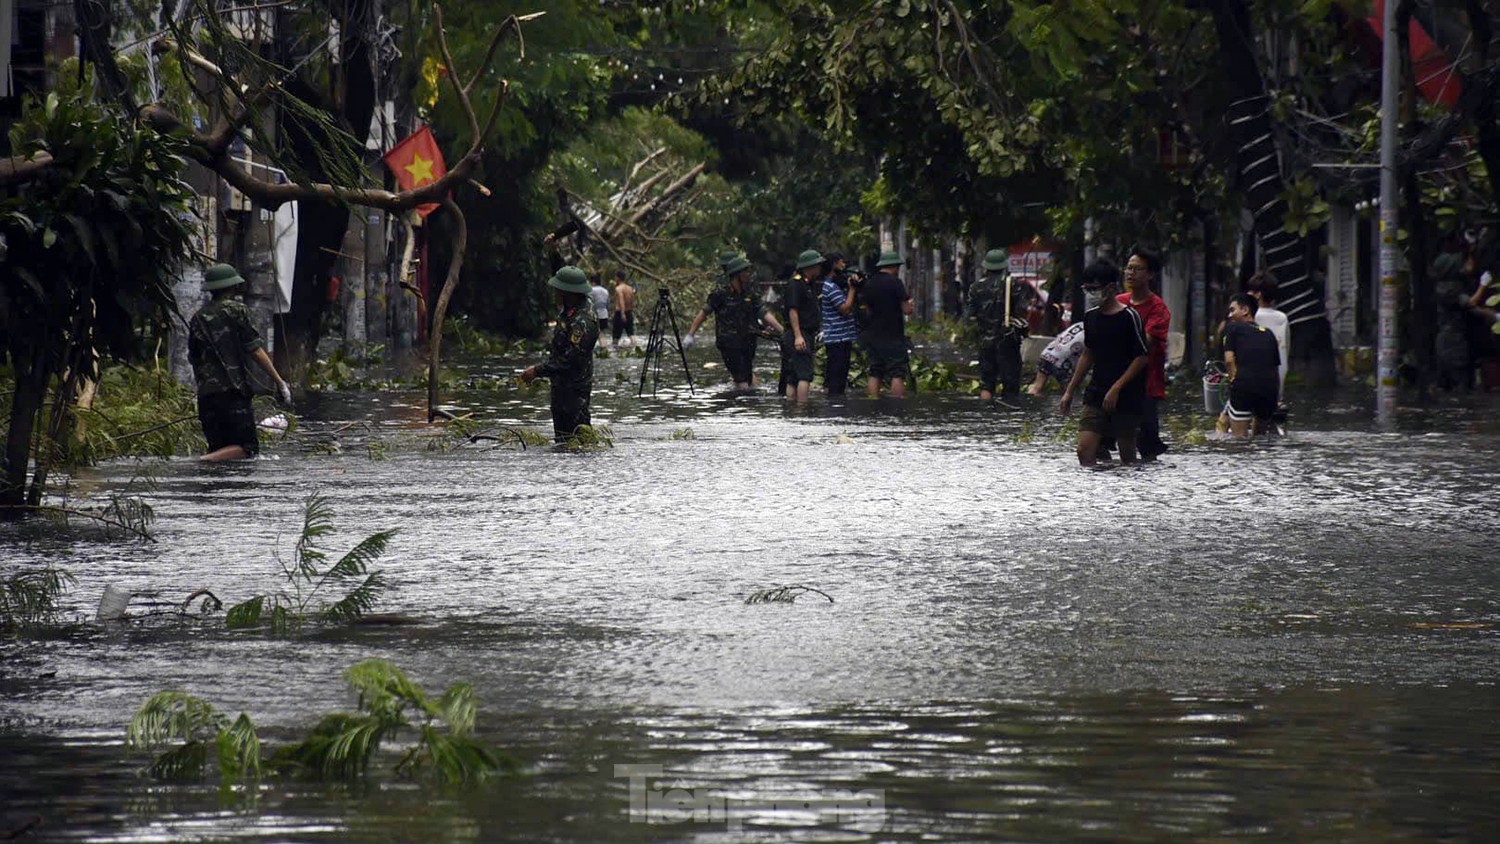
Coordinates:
785 594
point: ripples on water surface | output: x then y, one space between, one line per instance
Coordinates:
1293 640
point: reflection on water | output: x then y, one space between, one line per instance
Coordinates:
1289 640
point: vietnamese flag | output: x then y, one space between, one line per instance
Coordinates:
417 161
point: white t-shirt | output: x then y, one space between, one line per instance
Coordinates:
600 297
1275 322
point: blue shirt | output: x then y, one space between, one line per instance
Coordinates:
838 327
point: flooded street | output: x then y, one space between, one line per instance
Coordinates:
1295 639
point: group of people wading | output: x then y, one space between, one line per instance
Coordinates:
1121 341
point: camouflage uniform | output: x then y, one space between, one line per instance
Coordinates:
999 344
570 367
737 318
220 343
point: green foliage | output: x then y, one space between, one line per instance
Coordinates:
591 438
95 241
1306 211
342 745
184 729
189 736
135 413
91 247
311 578
29 599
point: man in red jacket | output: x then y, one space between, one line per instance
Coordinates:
1141 271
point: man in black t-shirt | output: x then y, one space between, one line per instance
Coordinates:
886 304
1114 347
1253 358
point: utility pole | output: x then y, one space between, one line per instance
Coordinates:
1385 384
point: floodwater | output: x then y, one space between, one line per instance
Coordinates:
1294 640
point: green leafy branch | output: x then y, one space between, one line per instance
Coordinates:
340 746
309 577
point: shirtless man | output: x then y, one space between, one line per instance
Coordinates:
624 321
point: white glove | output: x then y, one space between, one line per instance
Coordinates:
284 391
688 340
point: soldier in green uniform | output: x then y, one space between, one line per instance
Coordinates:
737 311
997 306
570 366
221 345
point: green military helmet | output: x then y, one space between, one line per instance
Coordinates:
570 280
888 259
725 259
810 258
996 259
220 276
736 265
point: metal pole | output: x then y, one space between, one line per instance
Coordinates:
1385 385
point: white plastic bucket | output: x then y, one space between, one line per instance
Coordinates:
113 603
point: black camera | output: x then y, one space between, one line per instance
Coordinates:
854 277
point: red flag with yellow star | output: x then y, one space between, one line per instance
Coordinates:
417 161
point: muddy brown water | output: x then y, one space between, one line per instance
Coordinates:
1299 639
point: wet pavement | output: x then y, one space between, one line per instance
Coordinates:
1295 639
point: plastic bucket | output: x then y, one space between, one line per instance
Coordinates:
113 603
1215 394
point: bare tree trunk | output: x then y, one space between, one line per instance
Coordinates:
26 406
435 337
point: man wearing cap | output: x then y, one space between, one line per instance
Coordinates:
799 341
221 344
737 311
998 306
1115 349
570 364
888 304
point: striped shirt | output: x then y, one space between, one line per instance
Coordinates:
837 327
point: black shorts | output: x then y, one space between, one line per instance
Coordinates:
624 324
888 359
797 366
740 361
228 419
1247 402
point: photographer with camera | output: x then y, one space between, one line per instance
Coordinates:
997 306
837 298
737 311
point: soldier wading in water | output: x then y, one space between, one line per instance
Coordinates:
221 345
570 365
737 312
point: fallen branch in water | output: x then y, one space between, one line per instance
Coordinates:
785 594
68 511
217 604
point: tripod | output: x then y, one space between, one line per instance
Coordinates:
661 318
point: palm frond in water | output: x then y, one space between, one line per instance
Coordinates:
172 715
239 749
356 562
357 601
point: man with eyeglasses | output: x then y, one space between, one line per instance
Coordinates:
1141 271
